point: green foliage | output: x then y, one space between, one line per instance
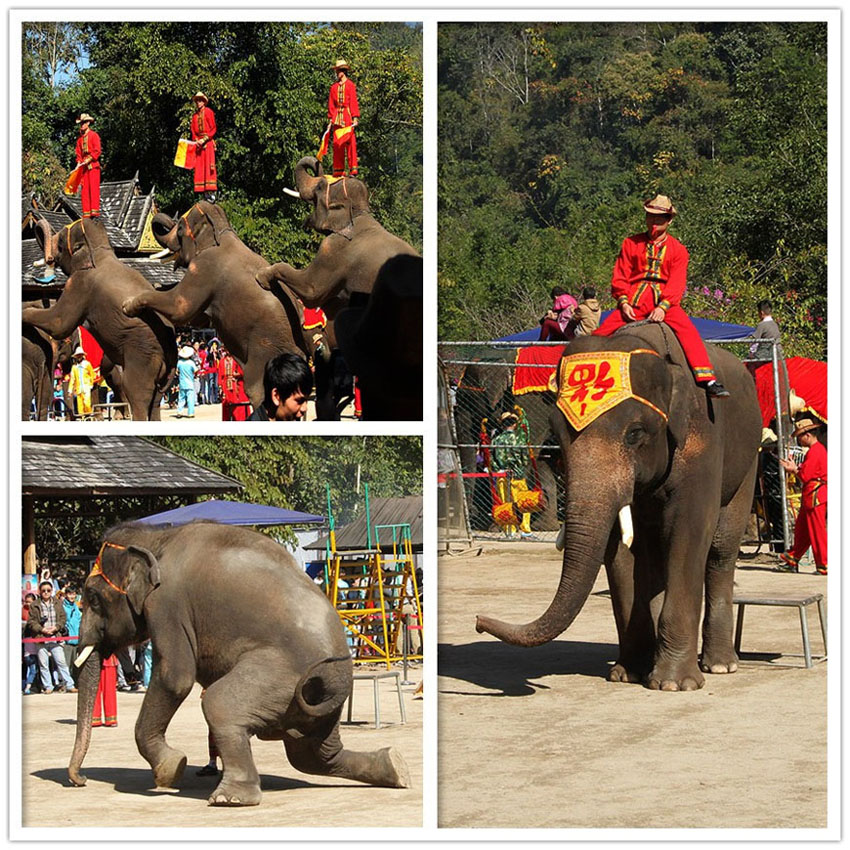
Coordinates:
729 119
268 85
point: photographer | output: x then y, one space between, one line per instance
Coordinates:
47 619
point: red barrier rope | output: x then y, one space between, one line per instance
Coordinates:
55 639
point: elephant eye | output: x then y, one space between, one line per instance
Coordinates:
634 435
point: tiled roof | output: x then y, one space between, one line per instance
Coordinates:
112 465
388 511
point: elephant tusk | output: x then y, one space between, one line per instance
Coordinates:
561 539
291 192
627 529
38 263
163 253
81 658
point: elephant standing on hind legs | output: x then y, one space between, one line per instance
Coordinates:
278 667
637 432
98 283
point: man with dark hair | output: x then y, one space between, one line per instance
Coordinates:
287 381
765 329
47 620
586 315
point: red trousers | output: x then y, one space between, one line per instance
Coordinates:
680 324
349 148
106 702
810 530
206 178
90 192
550 330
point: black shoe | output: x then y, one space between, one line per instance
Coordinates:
716 390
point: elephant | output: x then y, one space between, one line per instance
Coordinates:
38 358
686 465
275 665
353 252
98 283
219 289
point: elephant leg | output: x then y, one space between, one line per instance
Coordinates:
320 752
630 581
676 667
160 703
139 389
718 651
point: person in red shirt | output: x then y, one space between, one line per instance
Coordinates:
88 151
203 130
810 529
343 113
649 280
235 404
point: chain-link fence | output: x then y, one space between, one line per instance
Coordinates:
484 386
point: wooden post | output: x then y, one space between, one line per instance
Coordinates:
30 563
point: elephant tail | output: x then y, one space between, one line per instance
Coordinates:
324 687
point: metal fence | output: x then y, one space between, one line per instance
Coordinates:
480 381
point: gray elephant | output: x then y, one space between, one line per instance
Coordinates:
642 442
98 284
277 667
38 357
219 289
352 254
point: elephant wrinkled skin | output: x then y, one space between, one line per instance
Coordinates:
687 468
98 283
228 608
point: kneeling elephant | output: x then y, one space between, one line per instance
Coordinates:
280 669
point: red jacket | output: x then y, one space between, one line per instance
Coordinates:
203 124
342 104
88 145
642 264
812 474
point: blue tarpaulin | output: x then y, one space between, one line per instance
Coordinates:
709 330
233 513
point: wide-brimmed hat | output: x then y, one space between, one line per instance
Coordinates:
340 65
796 404
508 416
79 351
660 205
382 338
801 426
186 352
199 95
768 437
85 117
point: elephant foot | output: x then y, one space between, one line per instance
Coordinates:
230 793
396 771
130 307
169 771
668 678
619 673
715 664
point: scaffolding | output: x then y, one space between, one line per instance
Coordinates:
373 589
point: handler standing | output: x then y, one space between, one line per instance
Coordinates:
649 280
203 130
810 528
88 151
343 114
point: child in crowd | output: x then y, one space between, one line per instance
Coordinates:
585 319
554 323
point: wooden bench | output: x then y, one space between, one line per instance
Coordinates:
374 677
799 602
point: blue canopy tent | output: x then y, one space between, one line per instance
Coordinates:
232 513
709 330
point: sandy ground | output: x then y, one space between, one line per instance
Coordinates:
120 781
539 737
212 413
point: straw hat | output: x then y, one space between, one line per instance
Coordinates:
660 205
200 96
508 416
340 65
78 351
186 352
804 425
796 404
768 437
84 117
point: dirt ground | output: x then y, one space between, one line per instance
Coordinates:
539 737
120 781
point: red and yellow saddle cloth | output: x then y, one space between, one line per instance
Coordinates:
591 384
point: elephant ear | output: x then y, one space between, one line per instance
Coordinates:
144 576
188 248
679 411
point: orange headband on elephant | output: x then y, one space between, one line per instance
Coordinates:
592 383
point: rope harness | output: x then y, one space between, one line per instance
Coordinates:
187 228
97 569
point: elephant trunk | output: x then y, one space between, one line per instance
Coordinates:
48 241
164 229
88 682
587 530
304 182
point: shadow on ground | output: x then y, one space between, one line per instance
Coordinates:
509 669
